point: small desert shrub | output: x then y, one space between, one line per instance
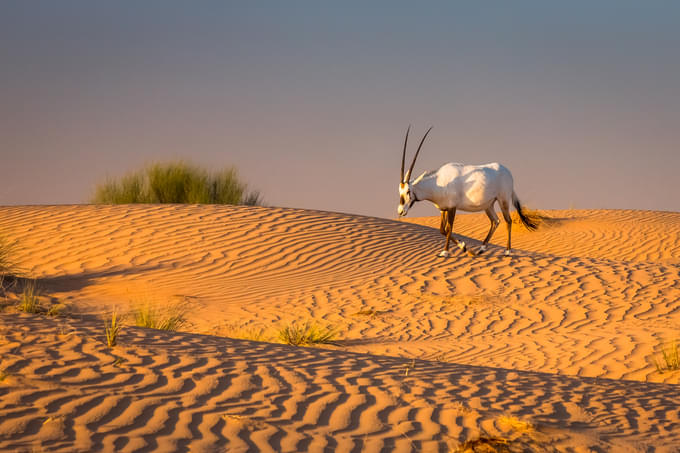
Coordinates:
29 301
670 358
112 328
177 182
308 333
151 316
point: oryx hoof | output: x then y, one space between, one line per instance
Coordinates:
507 253
461 245
444 254
482 249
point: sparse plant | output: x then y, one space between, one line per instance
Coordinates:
29 301
112 328
307 333
177 182
3 375
151 316
670 358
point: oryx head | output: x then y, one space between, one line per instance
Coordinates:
406 198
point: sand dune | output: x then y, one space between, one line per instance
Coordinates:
558 334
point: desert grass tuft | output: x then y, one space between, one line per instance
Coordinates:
151 316
29 301
177 182
670 358
112 328
307 333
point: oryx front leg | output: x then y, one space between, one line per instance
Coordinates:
450 217
447 217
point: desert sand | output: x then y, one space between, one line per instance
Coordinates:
551 349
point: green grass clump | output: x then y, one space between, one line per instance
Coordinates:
112 328
670 358
152 317
177 182
9 270
308 333
29 301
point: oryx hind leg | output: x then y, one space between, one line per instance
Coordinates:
505 209
493 217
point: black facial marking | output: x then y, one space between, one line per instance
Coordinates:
401 200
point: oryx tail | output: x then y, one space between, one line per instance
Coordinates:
530 222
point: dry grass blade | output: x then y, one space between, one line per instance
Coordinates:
112 329
308 333
30 298
670 358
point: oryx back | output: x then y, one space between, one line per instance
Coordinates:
470 187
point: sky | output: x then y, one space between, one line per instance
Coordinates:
310 100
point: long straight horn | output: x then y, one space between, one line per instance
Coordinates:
408 174
403 155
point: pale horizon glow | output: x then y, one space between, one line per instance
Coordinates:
311 101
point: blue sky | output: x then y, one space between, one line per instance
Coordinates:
310 100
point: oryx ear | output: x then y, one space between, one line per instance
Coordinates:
408 173
403 155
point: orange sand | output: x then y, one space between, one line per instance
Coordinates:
561 335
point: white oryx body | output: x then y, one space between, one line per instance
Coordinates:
466 187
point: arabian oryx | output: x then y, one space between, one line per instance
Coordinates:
465 187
